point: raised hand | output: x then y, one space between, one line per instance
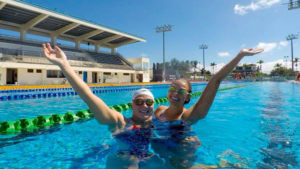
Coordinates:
56 56
250 51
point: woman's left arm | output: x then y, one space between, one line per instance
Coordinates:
200 109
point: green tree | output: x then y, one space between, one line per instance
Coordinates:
277 65
296 60
260 62
213 64
207 72
245 65
174 66
194 65
202 71
279 70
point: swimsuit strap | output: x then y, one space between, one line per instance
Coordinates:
133 127
129 122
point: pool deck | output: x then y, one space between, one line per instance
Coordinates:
16 87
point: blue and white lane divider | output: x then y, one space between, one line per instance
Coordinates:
62 92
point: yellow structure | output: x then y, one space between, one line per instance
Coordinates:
143 65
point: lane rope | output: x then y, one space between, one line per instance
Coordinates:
47 121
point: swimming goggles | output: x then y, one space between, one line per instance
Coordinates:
140 102
180 91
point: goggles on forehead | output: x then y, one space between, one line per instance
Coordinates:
180 91
140 102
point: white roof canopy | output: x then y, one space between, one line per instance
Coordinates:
19 16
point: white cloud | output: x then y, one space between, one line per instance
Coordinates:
283 43
268 66
223 54
268 47
216 68
258 4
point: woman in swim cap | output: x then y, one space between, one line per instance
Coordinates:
179 94
142 108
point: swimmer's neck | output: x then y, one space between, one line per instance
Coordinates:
141 122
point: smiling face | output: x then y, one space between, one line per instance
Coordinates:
178 93
142 107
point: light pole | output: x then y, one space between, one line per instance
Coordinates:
203 47
291 37
163 29
294 4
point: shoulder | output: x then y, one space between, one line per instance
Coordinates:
121 125
160 110
186 116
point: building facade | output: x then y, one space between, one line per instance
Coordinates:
22 61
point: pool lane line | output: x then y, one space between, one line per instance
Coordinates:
279 146
90 85
69 86
61 92
223 89
48 121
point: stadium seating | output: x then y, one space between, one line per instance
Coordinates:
32 49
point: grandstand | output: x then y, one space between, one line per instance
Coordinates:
22 61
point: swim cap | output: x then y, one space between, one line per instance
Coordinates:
142 91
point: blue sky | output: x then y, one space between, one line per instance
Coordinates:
226 26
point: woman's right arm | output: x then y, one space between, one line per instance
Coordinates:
101 111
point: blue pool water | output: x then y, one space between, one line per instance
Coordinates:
255 126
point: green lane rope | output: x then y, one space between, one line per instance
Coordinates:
47 121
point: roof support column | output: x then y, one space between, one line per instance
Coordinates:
77 44
96 48
148 67
23 35
53 40
2 5
113 50
142 65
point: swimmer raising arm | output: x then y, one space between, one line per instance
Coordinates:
200 109
101 111
142 112
125 130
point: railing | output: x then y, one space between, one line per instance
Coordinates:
264 78
73 54
76 59
282 78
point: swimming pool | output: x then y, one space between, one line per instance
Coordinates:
257 125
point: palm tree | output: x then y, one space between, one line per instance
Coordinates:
296 61
260 62
213 64
278 70
194 65
174 63
277 65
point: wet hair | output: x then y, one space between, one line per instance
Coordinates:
189 88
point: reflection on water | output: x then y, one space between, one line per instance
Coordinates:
278 153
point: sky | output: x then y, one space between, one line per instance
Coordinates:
225 26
